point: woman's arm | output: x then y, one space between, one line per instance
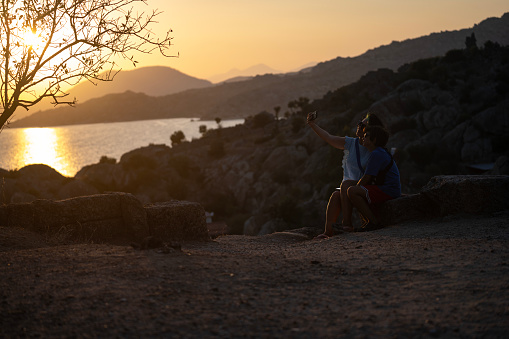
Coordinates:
334 141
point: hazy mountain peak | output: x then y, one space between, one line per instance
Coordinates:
151 80
258 69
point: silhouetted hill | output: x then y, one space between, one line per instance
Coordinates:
243 74
247 98
153 81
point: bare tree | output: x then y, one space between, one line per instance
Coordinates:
47 45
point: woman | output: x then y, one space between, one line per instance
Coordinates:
354 162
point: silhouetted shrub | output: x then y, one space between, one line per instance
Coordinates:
202 129
106 160
262 119
453 56
177 137
298 123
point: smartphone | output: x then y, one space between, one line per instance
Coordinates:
312 116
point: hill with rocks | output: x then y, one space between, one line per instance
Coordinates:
263 93
445 115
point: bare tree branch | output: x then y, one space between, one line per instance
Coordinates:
79 40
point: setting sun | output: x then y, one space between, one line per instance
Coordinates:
32 39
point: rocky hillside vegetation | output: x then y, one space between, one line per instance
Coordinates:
245 98
444 113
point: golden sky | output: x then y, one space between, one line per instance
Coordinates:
214 36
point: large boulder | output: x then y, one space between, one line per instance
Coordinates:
76 188
253 225
447 195
104 176
501 166
453 194
39 180
406 208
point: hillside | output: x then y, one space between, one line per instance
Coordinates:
444 113
246 98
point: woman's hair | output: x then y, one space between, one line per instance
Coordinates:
378 134
374 120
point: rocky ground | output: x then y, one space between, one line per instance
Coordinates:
440 278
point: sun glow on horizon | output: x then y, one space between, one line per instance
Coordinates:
42 147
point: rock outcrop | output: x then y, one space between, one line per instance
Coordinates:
112 217
449 195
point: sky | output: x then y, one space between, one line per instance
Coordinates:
212 37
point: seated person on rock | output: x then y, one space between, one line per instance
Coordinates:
354 162
380 182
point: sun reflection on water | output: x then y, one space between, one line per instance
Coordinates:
42 146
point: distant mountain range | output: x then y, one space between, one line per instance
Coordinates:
240 75
153 81
236 74
245 98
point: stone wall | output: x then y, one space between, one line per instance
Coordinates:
112 217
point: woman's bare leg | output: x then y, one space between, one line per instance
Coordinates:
346 203
332 213
357 195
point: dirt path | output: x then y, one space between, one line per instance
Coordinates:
447 278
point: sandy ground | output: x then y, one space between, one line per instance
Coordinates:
440 278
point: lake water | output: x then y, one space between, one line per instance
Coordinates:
67 149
